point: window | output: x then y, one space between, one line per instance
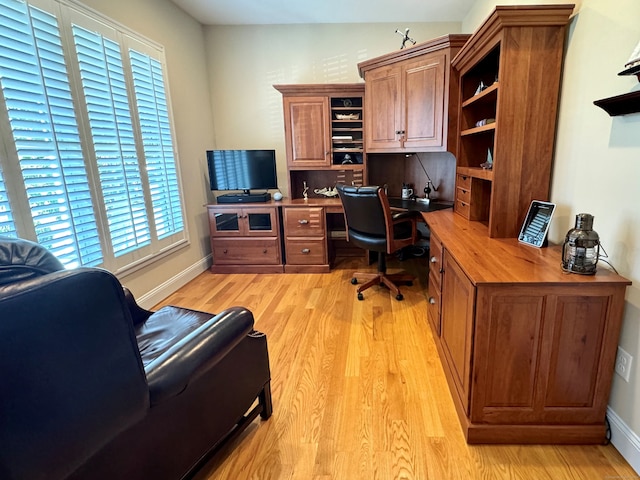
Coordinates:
89 169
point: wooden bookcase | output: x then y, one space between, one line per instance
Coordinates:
509 85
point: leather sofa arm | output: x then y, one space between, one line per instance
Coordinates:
170 373
71 371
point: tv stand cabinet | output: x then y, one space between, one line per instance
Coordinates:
245 238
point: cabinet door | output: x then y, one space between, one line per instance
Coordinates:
423 85
383 100
458 299
260 222
308 131
225 222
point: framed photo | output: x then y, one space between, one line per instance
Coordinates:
536 224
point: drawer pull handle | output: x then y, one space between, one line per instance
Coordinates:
433 260
264 251
224 251
306 250
432 300
303 221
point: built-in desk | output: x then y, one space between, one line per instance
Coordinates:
528 351
290 235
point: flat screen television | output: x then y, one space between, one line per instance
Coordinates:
243 170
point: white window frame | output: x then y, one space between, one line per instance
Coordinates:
70 12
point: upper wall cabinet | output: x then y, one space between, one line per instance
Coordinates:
411 97
324 135
509 85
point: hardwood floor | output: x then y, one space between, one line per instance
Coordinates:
359 392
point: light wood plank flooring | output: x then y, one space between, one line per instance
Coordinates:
359 392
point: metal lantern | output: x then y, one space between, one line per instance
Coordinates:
581 247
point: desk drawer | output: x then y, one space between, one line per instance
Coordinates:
306 251
462 208
464 181
245 251
307 222
463 194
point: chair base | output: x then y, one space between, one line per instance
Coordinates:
391 281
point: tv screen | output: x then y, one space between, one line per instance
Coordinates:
242 169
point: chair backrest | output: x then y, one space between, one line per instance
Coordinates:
363 210
22 260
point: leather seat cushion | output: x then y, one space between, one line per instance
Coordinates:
165 328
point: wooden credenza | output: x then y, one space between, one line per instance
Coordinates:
528 351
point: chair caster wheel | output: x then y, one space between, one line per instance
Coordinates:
360 296
354 281
399 297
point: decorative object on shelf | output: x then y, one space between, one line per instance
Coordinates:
581 247
305 189
346 159
628 102
485 121
347 102
327 192
536 224
481 88
347 116
488 165
405 37
632 67
277 196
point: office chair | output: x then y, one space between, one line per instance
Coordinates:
371 225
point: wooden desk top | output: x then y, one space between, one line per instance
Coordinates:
505 260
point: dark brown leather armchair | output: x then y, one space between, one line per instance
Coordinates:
95 387
372 225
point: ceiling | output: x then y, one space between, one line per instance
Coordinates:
257 12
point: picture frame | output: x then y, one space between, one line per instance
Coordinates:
536 224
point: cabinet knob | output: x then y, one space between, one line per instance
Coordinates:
306 250
433 260
303 221
432 300
264 251
224 251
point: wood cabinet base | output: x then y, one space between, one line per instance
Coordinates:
246 269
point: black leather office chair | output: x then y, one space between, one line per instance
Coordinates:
373 226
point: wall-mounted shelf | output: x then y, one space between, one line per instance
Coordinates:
620 104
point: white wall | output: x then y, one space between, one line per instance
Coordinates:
597 167
183 39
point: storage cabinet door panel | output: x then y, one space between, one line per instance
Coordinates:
424 102
458 300
307 119
384 111
508 344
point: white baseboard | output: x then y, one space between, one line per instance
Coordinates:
162 291
625 440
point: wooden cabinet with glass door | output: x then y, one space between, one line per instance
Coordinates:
245 239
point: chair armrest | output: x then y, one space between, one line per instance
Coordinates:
70 369
170 373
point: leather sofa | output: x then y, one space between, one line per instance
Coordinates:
95 387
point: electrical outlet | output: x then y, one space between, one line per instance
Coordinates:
623 364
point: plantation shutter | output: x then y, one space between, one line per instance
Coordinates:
155 129
105 92
7 227
35 87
